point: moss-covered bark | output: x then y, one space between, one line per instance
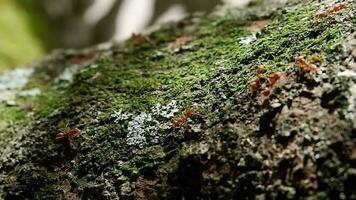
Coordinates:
181 112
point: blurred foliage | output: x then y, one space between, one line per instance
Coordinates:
24 33
31 28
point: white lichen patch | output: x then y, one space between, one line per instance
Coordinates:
15 79
141 128
248 39
30 93
120 116
351 111
11 84
147 128
167 111
68 74
347 73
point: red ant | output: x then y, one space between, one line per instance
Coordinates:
67 135
305 65
138 39
272 81
332 10
256 83
183 119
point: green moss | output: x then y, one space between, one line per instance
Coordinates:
136 83
10 115
209 73
48 103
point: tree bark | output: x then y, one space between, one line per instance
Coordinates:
257 103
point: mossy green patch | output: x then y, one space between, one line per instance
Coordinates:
219 147
48 103
216 64
10 115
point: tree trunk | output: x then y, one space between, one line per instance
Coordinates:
256 103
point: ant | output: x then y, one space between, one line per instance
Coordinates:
331 10
272 81
305 65
138 39
183 119
256 83
66 136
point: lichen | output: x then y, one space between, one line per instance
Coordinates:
230 142
67 75
351 110
15 79
145 128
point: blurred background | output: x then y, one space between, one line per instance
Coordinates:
30 29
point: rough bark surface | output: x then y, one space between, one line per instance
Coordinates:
256 103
